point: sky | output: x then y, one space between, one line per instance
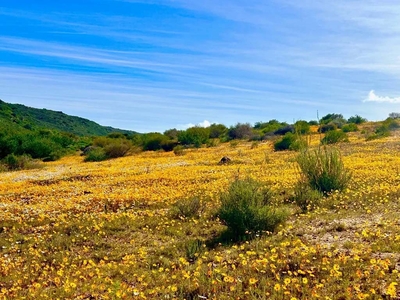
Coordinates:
160 64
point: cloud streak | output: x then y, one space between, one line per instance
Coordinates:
372 97
231 61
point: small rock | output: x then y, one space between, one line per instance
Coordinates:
225 160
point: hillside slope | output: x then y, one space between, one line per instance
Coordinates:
28 117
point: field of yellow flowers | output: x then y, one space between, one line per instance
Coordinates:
103 230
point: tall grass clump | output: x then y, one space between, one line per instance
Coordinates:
192 207
323 170
247 210
187 208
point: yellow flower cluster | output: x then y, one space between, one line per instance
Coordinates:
76 230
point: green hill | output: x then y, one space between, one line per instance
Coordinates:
31 118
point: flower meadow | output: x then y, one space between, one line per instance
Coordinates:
105 230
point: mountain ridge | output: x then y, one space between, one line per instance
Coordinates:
29 118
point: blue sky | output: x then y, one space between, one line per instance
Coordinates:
159 64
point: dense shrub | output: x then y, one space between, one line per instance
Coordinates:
284 130
240 131
302 127
339 122
334 136
270 126
194 136
351 127
105 147
116 135
290 141
327 127
96 154
153 141
218 131
246 209
172 133
330 117
356 119
41 144
169 145
323 170
117 148
313 122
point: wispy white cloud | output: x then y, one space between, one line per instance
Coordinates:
231 61
203 124
372 97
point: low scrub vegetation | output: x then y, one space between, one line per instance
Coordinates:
351 127
290 141
334 137
384 129
247 210
14 162
105 148
319 224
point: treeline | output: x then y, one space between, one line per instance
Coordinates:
21 147
198 136
286 136
22 143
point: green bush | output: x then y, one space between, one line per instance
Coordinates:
187 208
11 161
246 209
302 127
290 141
153 141
331 117
335 136
323 170
352 127
241 131
39 147
96 154
194 136
117 148
327 127
217 131
269 127
169 145
284 130
306 197
108 147
375 136
356 119
384 129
